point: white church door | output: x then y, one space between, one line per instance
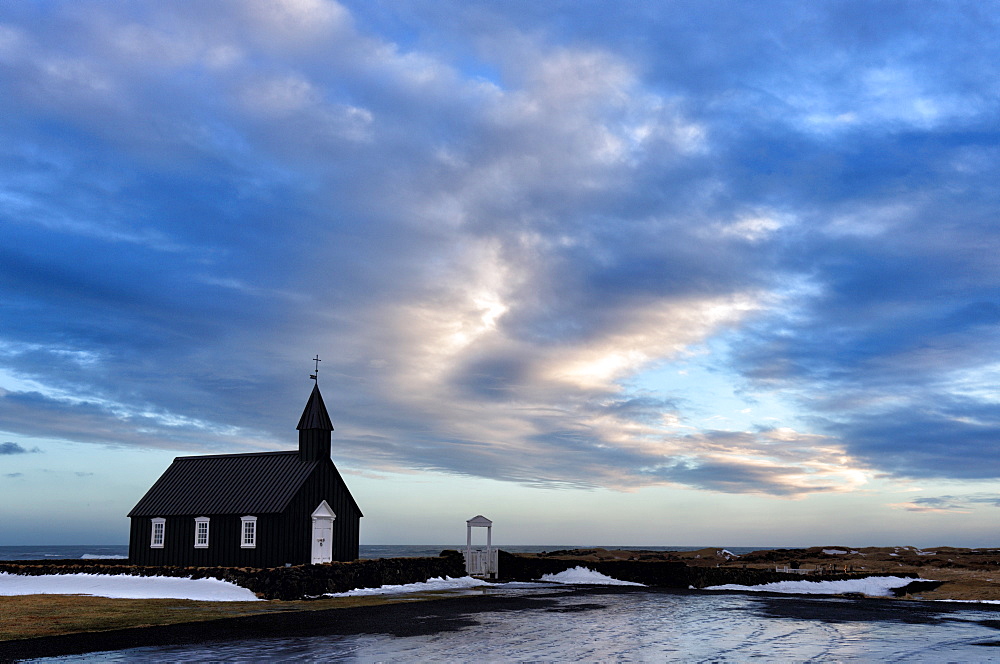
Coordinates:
322 533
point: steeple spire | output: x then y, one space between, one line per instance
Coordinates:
314 428
314 416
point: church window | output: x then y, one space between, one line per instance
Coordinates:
201 532
248 532
156 538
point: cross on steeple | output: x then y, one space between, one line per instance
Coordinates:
315 374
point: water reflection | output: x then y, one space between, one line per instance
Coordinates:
644 625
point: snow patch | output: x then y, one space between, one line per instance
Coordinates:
874 586
437 583
124 586
834 552
585 576
726 553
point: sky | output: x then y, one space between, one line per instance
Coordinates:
644 273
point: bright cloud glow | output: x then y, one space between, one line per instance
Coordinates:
655 333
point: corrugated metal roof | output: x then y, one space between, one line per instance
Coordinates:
315 416
258 483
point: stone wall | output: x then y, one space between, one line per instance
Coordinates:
663 574
660 574
304 581
287 583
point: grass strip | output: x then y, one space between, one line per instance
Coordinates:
33 616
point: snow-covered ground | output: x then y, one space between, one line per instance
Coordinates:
575 576
214 590
876 586
585 576
438 583
124 587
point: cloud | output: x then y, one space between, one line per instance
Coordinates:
949 504
494 223
111 424
937 436
780 462
15 448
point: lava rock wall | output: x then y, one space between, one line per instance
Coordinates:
660 574
286 583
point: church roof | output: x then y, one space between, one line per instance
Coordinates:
256 483
315 416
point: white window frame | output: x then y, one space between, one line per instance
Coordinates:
248 526
154 542
199 542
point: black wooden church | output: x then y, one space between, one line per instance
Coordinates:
262 509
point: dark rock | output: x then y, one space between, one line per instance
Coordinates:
286 583
660 574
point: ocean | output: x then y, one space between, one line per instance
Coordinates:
366 551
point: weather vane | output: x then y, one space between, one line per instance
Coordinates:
315 374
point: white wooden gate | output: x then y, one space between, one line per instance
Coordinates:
481 563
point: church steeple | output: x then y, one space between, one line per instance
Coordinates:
314 429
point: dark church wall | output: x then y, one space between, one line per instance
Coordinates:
324 484
225 538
